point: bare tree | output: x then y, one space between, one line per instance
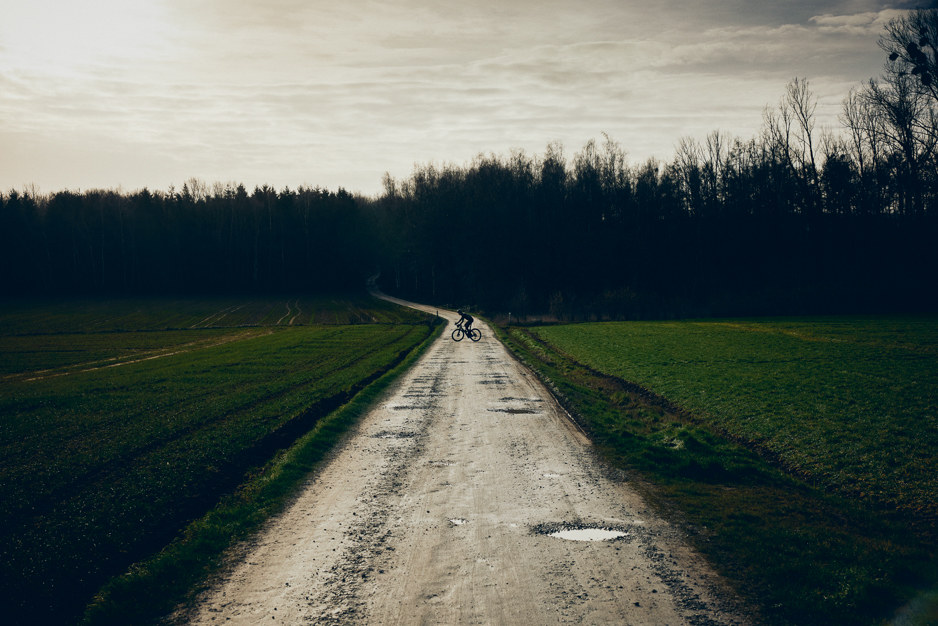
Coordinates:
854 117
198 189
801 103
613 169
687 163
865 125
911 41
716 151
777 135
906 126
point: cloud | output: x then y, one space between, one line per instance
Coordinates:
288 90
868 24
56 38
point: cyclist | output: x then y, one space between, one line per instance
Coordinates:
468 319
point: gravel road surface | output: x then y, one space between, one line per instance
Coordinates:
441 507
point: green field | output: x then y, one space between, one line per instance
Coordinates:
802 454
124 420
852 404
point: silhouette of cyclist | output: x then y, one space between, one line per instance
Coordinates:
466 319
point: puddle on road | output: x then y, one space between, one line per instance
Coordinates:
579 531
386 434
588 534
515 411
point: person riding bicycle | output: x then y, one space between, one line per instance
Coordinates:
466 320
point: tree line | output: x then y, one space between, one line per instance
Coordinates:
794 220
198 239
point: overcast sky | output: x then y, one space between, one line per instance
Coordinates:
134 93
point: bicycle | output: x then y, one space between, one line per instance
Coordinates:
474 333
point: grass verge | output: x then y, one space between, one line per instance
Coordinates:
153 588
801 554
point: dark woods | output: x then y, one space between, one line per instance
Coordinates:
795 220
728 228
196 240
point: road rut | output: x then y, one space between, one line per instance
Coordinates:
438 509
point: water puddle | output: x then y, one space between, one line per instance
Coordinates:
580 531
511 411
386 434
588 534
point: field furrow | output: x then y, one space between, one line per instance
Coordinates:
126 434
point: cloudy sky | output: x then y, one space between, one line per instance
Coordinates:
134 93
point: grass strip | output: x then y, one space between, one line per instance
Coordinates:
803 556
153 588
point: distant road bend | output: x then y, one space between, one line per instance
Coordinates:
440 507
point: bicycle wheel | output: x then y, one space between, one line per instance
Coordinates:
458 334
475 334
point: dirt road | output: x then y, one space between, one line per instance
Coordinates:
440 509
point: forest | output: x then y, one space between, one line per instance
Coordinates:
794 220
